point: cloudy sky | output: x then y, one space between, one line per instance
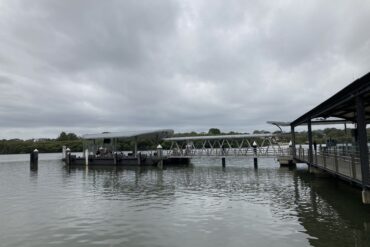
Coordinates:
89 65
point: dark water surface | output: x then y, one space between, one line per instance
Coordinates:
197 205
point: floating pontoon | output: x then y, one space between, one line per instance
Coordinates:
102 149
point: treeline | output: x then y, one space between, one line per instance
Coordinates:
75 143
18 146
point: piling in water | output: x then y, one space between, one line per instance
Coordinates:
68 157
34 160
160 156
115 158
86 157
255 161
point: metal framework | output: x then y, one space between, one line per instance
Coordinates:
258 145
350 104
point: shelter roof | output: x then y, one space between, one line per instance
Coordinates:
343 104
218 137
131 134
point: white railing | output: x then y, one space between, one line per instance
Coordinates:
259 152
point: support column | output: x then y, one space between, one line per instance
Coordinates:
362 145
310 155
160 156
293 141
345 131
255 162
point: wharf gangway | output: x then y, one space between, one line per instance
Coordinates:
253 145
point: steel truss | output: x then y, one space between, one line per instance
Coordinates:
224 146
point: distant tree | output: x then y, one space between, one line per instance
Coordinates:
261 132
72 136
214 131
67 137
63 136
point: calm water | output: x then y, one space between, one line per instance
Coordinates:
198 205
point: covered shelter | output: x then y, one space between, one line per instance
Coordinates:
109 139
351 105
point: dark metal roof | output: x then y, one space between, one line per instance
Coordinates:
131 134
314 122
219 137
342 104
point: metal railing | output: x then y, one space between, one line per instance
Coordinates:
344 162
209 152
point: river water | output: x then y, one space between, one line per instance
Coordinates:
201 204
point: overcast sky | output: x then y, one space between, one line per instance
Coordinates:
91 66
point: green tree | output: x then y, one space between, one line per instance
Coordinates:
72 136
62 137
214 131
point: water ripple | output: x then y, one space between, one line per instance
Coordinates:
198 205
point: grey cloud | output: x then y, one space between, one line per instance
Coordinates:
89 66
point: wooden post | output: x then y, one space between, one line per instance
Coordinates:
223 161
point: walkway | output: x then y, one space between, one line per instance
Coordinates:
254 145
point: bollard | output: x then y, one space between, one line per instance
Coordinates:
254 145
255 161
68 157
34 160
223 161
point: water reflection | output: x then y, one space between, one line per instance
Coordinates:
331 211
202 204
